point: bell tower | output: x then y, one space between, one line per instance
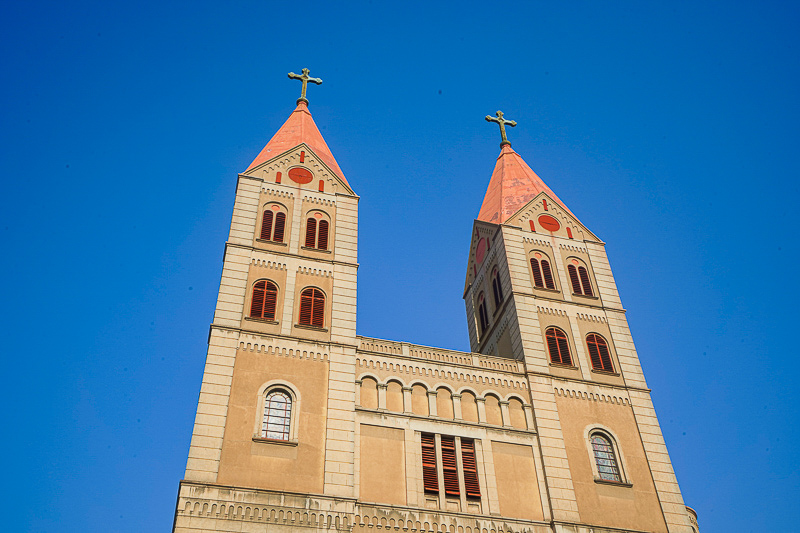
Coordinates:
539 290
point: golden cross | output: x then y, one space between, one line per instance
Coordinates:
500 120
305 78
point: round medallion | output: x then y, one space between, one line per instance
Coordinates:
537 255
576 262
300 175
549 223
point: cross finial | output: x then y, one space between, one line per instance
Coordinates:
305 78
500 120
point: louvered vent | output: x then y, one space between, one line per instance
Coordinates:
471 485
322 239
537 274
312 307
598 352
280 225
573 278
266 225
430 476
584 275
311 232
558 346
449 466
548 275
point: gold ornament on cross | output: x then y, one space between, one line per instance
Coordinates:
305 78
500 120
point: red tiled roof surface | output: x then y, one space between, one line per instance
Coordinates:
299 128
513 185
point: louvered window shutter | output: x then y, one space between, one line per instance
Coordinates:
306 299
584 275
471 484
430 475
548 275
266 225
573 278
558 346
449 466
280 225
537 274
270 301
318 311
598 351
257 305
311 232
322 240
594 353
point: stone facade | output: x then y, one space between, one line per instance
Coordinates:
352 457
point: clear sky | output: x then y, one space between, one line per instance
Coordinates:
670 129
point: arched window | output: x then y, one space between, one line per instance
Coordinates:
598 353
317 232
579 277
312 307
277 415
605 458
483 318
542 274
273 223
265 299
558 346
497 289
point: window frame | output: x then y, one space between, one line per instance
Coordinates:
263 393
325 218
612 370
539 269
497 290
582 276
282 209
312 324
560 363
249 312
611 438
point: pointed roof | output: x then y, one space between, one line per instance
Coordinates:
513 185
299 128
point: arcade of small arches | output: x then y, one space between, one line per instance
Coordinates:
441 401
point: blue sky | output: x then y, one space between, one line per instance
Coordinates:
670 129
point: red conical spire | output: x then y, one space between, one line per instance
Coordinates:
513 185
299 128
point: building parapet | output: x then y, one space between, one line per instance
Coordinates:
440 355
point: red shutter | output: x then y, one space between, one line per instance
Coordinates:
318 311
471 485
311 232
563 348
280 225
257 305
266 224
573 278
548 275
552 346
449 466
430 475
594 353
587 287
270 301
305 307
605 355
322 240
537 274
558 346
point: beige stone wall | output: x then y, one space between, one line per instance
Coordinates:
383 450
517 483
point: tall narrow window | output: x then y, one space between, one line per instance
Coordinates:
542 275
450 466
265 298
483 318
558 346
277 416
605 458
430 474
273 224
312 307
311 232
317 232
470 466
598 353
497 289
579 278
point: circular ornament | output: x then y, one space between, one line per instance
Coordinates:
537 255
300 175
549 223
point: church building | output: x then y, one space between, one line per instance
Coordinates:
545 426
